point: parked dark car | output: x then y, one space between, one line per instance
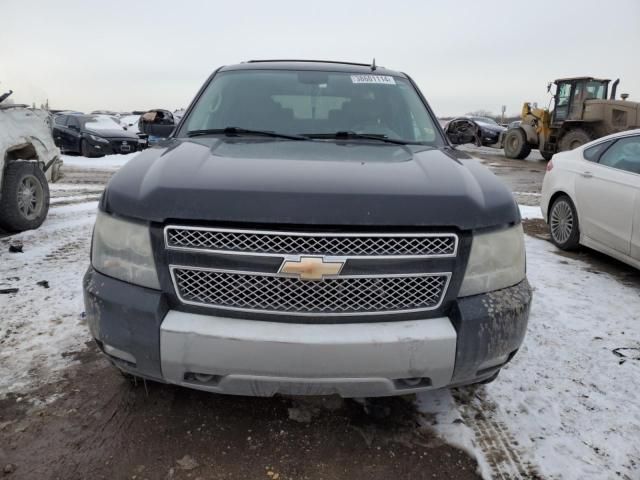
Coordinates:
94 135
478 130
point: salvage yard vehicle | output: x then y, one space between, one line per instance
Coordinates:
583 111
94 135
478 130
29 159
158 124
308 230
591 196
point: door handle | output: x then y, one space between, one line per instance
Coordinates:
587 174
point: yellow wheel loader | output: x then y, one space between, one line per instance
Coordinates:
583 111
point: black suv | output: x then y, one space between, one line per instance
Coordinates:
308 229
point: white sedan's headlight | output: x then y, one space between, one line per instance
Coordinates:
497 260
122 249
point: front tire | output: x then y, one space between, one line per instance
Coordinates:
574 138
25 197
516 145
563 223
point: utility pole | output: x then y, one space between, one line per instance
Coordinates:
504 109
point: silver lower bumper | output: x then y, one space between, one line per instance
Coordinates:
256 358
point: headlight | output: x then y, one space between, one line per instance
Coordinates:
98 139
497 261
122 249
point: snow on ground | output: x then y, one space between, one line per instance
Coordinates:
530 212
109 162
567 399
534 156
42 324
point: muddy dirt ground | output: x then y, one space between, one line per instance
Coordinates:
93 423
104 426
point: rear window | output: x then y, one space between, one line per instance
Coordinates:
314 102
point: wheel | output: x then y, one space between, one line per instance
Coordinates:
574 138
516 145
25 197
546 155
84 149
563 223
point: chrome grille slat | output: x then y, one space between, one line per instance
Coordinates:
221 240
339 295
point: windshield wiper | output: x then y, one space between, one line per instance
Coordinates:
237 131
351 135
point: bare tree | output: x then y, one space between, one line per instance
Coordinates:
481 113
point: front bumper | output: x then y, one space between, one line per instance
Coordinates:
114 146
142 335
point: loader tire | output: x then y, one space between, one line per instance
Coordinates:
574 138
516 145
24 203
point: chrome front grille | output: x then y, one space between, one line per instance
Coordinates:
363 245
337 295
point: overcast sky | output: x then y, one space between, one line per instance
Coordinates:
464 55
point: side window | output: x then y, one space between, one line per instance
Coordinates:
563 96
578 91
564 93
623 155
60 120
73 122
593 153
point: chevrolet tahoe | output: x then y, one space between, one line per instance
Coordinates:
308 229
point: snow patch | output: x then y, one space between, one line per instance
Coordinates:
108 162
530 212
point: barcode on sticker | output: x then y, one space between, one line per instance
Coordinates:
382 79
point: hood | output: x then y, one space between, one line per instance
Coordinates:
112 133
308 183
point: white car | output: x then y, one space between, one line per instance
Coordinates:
591 196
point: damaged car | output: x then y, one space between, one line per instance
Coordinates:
481 131
157 124
308 229
29 160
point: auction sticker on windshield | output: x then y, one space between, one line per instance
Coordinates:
383 79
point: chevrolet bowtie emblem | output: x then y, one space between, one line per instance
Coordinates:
311 268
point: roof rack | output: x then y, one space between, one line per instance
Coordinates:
310 61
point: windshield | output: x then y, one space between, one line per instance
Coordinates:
313 102
101 122
484 120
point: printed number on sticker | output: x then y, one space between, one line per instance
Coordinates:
383 79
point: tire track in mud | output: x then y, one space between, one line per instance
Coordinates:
500 448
